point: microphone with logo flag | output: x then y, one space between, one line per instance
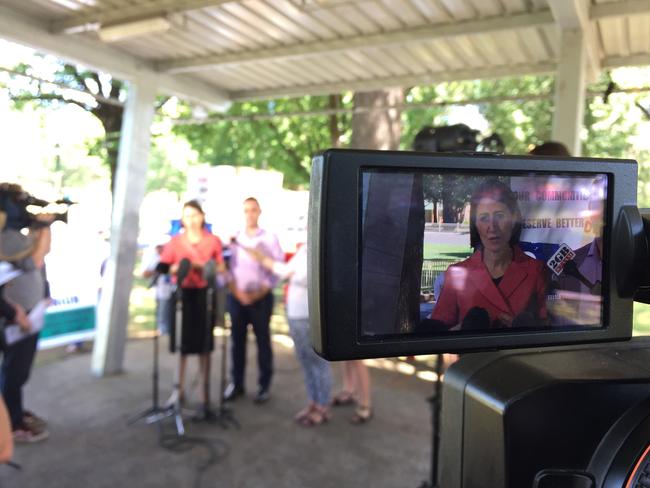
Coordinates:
561 262
161 269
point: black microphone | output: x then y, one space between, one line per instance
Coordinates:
210 272
160 269
477 318
183 270
562 263
525 319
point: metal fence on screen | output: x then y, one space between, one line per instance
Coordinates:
431 268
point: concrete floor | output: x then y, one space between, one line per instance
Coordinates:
90 444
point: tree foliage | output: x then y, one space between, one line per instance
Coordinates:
95 93
286 144
519 109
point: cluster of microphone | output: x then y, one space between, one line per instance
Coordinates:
184 267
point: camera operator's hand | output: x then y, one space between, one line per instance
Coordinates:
46 218
42 243
21 318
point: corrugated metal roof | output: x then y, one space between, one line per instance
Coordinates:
264 48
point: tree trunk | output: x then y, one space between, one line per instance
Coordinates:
378 128
390 301
333 119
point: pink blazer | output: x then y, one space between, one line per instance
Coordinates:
468 284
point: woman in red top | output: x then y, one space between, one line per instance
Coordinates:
498 286
199 246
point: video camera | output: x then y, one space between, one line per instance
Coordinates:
540 253
14 202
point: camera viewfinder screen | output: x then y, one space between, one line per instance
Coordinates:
455 253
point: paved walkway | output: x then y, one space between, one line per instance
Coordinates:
91 446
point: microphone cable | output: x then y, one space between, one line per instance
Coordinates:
216 450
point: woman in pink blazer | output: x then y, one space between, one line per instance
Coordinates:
498 285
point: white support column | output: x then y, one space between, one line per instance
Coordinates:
570 86
131 177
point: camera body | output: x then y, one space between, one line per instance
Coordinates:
555 417
571 410
14 203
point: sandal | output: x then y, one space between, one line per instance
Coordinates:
314 418
303 413
362 414
343 397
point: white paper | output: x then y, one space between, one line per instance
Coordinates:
13 332
8 273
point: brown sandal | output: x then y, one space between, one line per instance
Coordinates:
362 414
314 418
303 413
343 397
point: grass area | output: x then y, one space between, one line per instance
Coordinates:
142 307
641 319
446 251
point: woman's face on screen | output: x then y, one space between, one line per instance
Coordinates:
494 222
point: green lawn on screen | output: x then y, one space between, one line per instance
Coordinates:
446 251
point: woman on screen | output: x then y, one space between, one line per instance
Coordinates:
498 286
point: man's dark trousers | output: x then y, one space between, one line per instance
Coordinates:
259 316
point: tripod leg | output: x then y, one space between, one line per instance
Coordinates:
180 428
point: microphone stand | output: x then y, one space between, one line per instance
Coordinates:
156 412
174 407
224 413
209 274
436 407
174 404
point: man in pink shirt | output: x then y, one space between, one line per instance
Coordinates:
251 302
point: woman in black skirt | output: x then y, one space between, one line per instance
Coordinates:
196 244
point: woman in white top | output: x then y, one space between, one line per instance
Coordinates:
317 372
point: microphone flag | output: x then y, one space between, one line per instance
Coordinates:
558 261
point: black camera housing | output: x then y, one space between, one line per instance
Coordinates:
14 204
334 251
574 417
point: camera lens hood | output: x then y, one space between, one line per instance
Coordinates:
632 257
622 459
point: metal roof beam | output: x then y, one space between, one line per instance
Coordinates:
619 9
89 19
28 31
409 80
573 15
405 36
632 60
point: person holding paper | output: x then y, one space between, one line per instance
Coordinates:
25 292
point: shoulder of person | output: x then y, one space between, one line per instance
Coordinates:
214 238
473 261
582 253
